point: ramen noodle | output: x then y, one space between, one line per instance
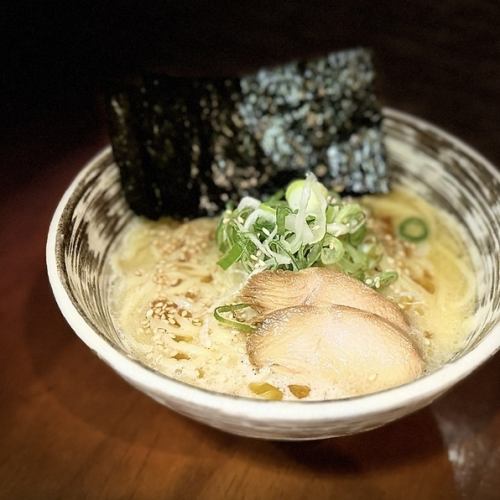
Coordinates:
167 283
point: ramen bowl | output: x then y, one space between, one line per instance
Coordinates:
92 215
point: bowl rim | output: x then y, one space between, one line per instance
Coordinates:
155 383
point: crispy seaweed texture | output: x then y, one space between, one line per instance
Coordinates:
185 147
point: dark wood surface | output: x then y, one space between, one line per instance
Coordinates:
70 428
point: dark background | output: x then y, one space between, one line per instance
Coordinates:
70 428
440 60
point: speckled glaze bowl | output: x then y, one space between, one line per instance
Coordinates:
92 214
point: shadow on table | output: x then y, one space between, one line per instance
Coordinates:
81 385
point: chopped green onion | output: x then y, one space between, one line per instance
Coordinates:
350 267
358 257
267 208
381 280
219 234
231 256
295 192
387 278
330 214
230 308
359 274
413 229
314 253
280 245
358 236
281 213
350 212
309 227
333 252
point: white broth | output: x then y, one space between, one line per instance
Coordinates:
166 284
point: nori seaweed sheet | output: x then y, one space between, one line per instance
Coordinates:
185 146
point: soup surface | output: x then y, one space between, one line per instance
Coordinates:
166 284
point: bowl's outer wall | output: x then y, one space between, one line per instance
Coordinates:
93 214
284 431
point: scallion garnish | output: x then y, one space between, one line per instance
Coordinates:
301 227
238 325
413 229
231 256
387 277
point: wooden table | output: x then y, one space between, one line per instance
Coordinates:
70 428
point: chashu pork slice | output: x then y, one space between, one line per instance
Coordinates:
269 291
356 351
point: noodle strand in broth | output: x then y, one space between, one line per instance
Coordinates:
166 285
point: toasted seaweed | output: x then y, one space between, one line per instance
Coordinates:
185 147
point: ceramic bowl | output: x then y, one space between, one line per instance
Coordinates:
92 214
